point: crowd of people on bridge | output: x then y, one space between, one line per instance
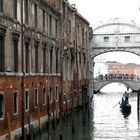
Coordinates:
116 77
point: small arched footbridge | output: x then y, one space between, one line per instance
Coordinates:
129 82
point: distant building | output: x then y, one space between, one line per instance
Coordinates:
100 66
125 69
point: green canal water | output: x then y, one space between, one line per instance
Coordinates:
103 121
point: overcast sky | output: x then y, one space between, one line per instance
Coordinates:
122 57
102 10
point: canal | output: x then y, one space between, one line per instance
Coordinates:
103 121
109 122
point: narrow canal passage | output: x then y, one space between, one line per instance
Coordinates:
80 131
104 121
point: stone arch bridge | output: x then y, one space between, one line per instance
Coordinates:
133 84
115 35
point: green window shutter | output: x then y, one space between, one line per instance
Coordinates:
43 22
35 12
26 11
15 9
1 6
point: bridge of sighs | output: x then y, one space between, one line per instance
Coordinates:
115 35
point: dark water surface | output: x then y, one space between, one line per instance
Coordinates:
105 121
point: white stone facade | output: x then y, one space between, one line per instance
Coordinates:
116 35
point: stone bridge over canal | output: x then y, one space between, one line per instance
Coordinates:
113 36
133 84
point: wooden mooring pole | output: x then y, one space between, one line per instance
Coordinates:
9 126
138 103
83 104
38 115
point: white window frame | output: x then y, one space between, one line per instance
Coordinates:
15 113
28 102
51 95
44 97
35 98
57 93
2 93
127 39
106 39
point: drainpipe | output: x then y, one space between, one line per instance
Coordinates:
61 66
138 102
22 83
77 80
61 96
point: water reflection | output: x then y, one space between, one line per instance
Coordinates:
126 114
102 121
111 123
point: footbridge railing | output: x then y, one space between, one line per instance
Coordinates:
132 81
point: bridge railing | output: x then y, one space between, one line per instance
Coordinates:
116 78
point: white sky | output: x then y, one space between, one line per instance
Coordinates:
122 57
102 10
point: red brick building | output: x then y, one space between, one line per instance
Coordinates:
54 74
